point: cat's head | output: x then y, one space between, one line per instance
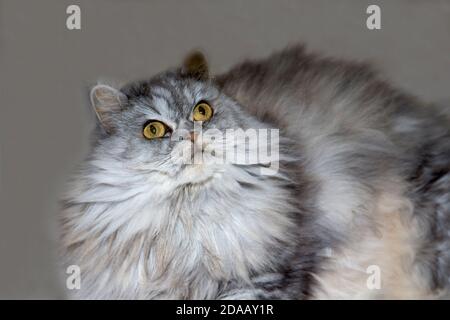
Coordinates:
174 125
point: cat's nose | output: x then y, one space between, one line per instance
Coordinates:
193 136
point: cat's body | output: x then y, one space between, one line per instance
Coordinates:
364 181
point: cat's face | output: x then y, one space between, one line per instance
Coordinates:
172 125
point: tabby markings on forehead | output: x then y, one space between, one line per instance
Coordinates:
143 106
189 94
198 92
174 83
161 104
162 93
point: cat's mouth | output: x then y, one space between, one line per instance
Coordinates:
197 174
196 163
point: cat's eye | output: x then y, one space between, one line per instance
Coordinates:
154 129
202 111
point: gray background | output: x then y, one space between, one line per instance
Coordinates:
45 71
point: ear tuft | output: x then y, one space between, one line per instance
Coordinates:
106 102
196 66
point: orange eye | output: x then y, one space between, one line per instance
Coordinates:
202 112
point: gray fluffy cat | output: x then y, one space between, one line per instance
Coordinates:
363 184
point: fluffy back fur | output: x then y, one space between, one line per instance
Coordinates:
363 180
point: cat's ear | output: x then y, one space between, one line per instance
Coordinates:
195 66
107 102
